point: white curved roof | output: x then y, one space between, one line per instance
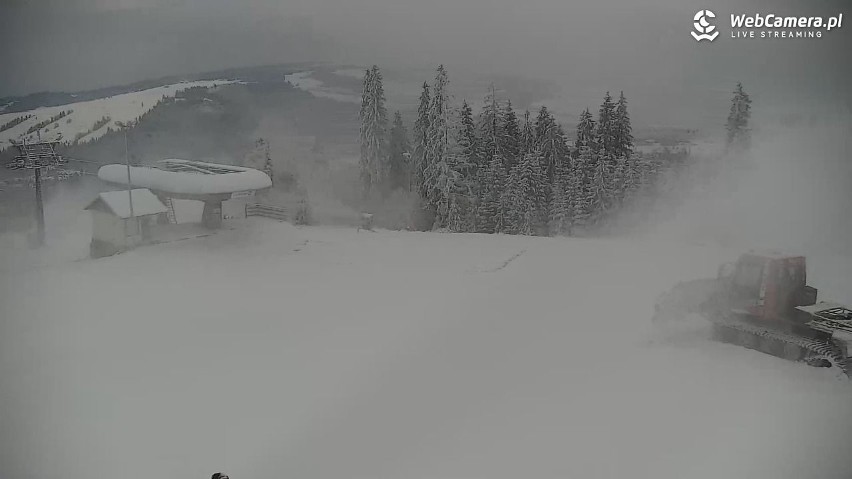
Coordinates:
188 177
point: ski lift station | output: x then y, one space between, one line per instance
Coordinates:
122 220
175 179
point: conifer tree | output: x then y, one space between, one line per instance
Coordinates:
606 127
561 210
469 144
363 116
421 128
443 177
739 135
399 147
631 177
490 127
605 131
550 138
374 128
490 215
623 131
511 145
600 196
585 132
529 196
618 181
529 139
580 188
492 181
466 164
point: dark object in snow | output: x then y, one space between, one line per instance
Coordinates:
303 213
366 222
219 475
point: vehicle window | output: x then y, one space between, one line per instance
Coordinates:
748 276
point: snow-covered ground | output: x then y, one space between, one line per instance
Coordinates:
270 351
399 94
85 115
305 81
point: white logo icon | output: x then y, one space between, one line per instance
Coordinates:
703 27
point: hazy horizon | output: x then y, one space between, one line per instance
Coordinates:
643 48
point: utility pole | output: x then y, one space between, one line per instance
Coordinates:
126 126
35 156
39 209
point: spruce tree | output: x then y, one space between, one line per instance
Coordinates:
600 195
490 127
511 138
490 215
466 163
739 135
493 177
421 128
399 148
623 131
618 181
529 139
561 210
443 178
550 141
529 195
631 177
374 126
581 188
585 132
365 129
605 129
469 144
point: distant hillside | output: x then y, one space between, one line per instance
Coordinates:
87 121
266 73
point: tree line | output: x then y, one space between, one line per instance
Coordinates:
498 172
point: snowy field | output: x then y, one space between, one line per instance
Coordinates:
85 115
305 81
400 94
271 351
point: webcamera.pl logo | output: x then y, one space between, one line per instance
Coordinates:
769 25
704 27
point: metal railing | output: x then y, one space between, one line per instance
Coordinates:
267 211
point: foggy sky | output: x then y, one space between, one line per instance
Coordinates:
643 47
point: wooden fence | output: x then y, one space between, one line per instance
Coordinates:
267 211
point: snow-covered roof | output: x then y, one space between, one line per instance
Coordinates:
118 202
188 177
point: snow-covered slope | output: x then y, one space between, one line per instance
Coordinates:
85 116
272 351
305 81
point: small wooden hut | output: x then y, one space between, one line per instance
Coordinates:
114 228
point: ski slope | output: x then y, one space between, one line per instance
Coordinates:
271 351
85 115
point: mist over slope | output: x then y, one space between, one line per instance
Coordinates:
270 350
789 192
